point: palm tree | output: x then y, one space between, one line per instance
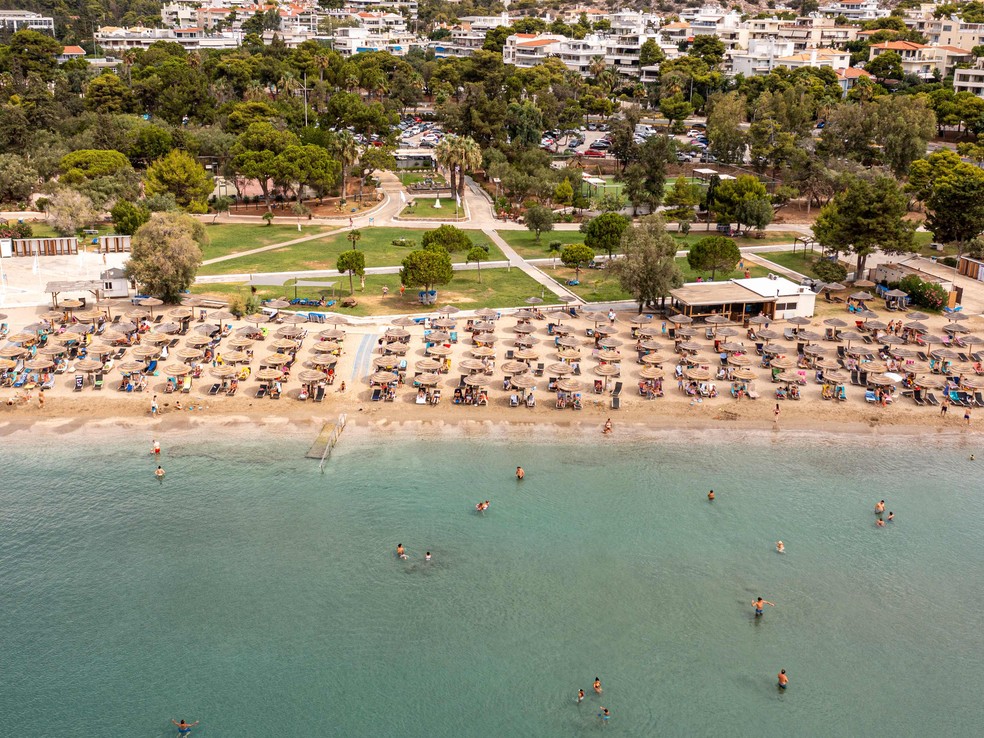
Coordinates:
470 157
345 148
446 155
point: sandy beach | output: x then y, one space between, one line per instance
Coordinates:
66 410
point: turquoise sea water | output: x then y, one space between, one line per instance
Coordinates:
251 593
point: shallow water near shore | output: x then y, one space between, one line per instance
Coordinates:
252 593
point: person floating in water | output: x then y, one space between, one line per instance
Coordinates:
597 685
880 508
400 551
710 496
482 506
759 605
159 473
183 727
780 547
783 679
520 474
580 696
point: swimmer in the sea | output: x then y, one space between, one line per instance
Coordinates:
783 679
597 685
520 474
183 727
780 547
880 523
400 551
159 473
710 496
880 508
427 556
758 605
580 696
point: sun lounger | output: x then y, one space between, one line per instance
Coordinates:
151 368
119 354
979 399
79 382
377 394
917 397
616 402
538 372
98 382
931 399
319 394
214 389
618 389
232 392
274 393
50 384
854 377
577 370
20 380
261 392
186 384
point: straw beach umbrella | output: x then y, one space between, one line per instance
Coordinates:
698 374
131 367
404 321
224 372
471 365
427 379
523 381
386 362
483 352
269 374
176 370
189 354
740 360
198 341
514 367
559 369
427 365
527 354
569 384
439 350
477 380
146 352
12 352
744 373
39 364
652 372
487 313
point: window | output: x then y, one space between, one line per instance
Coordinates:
781 306
107 285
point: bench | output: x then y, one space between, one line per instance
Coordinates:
212 304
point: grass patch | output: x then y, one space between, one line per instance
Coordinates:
229 238
689 275
322 253
771 237
424 210
409 178
526 246
797 261
498 288
596 285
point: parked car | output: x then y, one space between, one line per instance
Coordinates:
596 153
682 156
706 158
601 145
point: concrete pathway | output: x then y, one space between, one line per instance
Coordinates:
271 247
532 271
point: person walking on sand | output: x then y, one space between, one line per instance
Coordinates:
967 416
153 407
41 399
944 405
783 679
759 606
775 415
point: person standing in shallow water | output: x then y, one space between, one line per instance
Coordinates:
520 474
783 679
710 496
759 606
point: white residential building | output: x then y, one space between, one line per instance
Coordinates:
523 51
764 56
351 41
922 60
21 20
856 10
114 39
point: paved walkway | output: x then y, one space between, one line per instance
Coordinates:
515 260
271 247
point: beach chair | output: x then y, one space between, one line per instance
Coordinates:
538 372
917 397
186 384
151 368
158 319
979 399
618 389
261 392
854 377
789 335
509 355
231 392
214 389
274 393
20 380
377 394
79 382
616 402
319 394
870 396
50 384
97 383
454 336
709 334
119 354
577 370
932 399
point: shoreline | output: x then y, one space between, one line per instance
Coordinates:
27 428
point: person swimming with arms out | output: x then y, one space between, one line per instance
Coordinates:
759 606
400 551
783 679
604 714
891 517
183 727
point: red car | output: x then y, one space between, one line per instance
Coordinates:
595 153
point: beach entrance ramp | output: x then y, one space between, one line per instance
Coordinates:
326 440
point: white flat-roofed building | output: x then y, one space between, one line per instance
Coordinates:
859 10
25 20
114 39
739 299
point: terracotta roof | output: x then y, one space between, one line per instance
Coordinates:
899 46
955 49
852 73
675 25
525 35
73 50
539 42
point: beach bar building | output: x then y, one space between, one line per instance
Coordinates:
740 299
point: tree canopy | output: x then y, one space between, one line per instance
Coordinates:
648 269
166 252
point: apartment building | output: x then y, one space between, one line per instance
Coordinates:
970 79
469 35
117 40
764 56
358 40
21 20
856 10
953 32
923 60
523 51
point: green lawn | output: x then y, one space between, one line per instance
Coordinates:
689 275
771 237
409 178
43 230
228 238
498 288
425 210
526 246
799 261
322 253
